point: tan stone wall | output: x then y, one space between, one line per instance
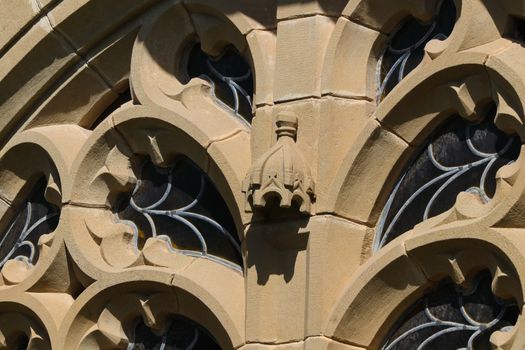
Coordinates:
310 280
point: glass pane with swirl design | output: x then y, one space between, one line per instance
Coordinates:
461 156
181 333
231 76
179 204
33 219
454 318
405 50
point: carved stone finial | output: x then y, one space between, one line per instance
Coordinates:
286 125
282 172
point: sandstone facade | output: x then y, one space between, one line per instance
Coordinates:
269 174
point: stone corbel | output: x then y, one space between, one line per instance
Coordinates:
282 172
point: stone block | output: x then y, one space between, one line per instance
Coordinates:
111 62
341 123
79 100
29 68
368 174
15 15
299 66
262 48
336 248
254 15
287 346
291 8
85 22
276 281
350 67
323 343
230 160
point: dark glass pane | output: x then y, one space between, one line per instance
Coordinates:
33 219
461 156
181 205
21 343
121 99
181 333
405 50
454 318
515 29
231 76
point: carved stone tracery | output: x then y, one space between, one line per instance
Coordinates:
310 107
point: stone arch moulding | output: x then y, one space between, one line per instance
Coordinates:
27 320
370 24
202 294
160 53
400 125
104 167
34 163
402 273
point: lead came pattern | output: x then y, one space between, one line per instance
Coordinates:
454 318
230 76
461 156
179 204
36 218
406 48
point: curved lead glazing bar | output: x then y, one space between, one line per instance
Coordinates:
425 327
444 178
185 215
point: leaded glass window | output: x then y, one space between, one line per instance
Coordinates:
21 343
406 47
231 78
180 333
460 156
451 317
34 218
180 205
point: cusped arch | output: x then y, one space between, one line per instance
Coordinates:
403 272
104 174
30 158
209 295
26 317
404 120
163 45
365 28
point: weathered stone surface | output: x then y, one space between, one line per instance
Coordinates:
90 90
